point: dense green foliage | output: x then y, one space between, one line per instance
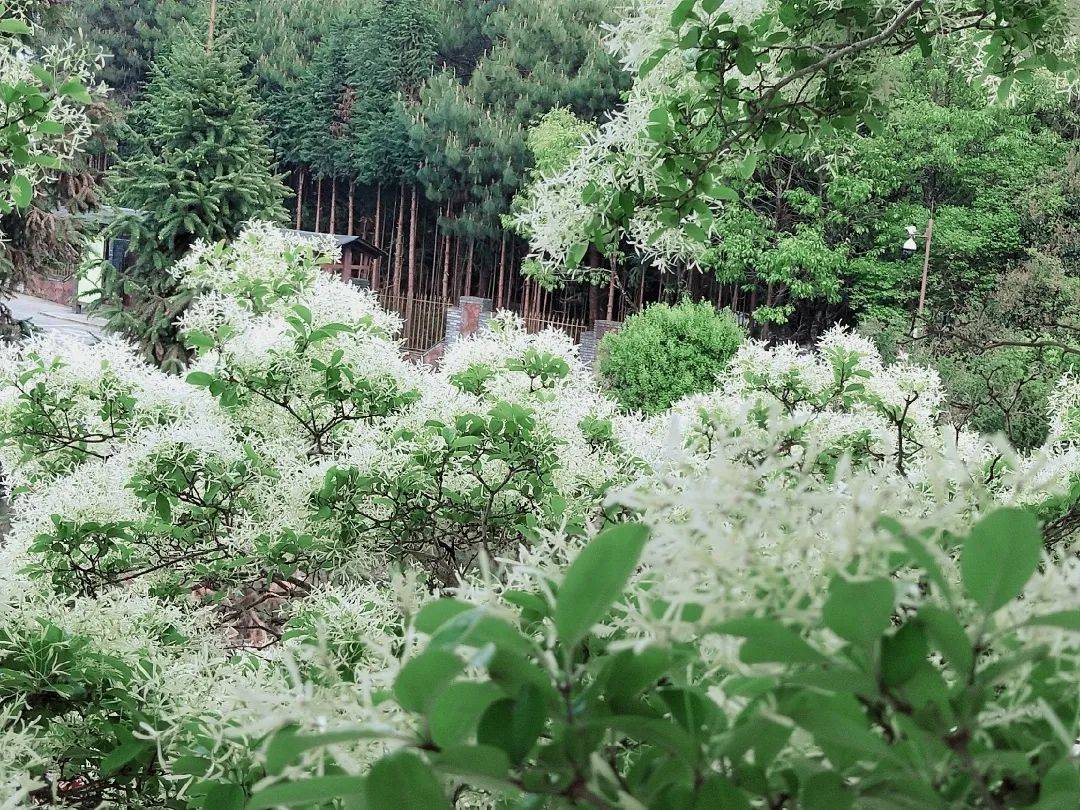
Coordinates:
893 708
666 353
46 99
200 168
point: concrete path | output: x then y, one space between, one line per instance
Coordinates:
56 318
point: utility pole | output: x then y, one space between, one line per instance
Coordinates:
926 263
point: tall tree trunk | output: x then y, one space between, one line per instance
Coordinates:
766 327
352 205
641 290
594 303
399 243
611 291
318 206
333 205
447 244
469 267
376 265
299 196
502 273
411 288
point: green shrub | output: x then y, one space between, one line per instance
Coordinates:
667 352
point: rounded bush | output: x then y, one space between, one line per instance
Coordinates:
667 352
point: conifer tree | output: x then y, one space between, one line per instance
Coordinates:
200 169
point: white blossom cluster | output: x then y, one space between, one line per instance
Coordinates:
247 548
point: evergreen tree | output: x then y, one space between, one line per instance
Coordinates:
201 168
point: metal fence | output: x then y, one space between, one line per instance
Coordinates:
425 319
574 327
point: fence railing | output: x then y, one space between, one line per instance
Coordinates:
574 327
425 319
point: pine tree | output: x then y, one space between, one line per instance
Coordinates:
200 169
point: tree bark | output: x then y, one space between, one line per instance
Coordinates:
299 196
318 206
352 206
411 288
502 273
447 244
399 240
333 206
469 267
611 291
377 264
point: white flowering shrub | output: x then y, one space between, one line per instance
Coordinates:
313 572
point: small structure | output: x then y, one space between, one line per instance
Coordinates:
358 255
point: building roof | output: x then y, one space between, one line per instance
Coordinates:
346 240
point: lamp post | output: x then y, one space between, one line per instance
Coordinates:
908 250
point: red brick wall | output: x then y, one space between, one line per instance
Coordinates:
51 289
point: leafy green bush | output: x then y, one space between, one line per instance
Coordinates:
668 352
887 695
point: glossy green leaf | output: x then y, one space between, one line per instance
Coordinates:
596 579
999 556
859 611
402 781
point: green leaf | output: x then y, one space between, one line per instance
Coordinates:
825 791
434 614
718 793
478 760
576 254
948 637
226 797
999 556
596 579
74 90
319 789
859 611
514 725
21 191
745 167
769 641
745 60
122 755
1060 788
651 730
200 378
287 745
902 653
10 25
424 677
402 781
455 713
1066 619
